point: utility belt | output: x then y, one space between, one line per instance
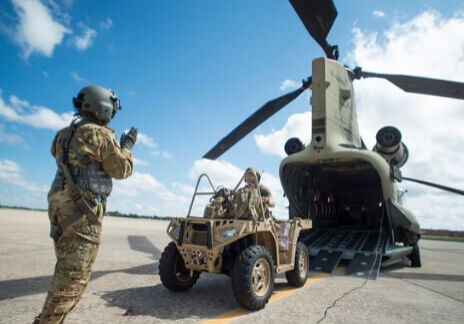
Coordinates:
85 206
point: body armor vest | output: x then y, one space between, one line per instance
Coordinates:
89 175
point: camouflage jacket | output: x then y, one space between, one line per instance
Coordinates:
97 144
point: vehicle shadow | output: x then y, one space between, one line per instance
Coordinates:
211 296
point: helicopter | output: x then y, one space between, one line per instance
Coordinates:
348 191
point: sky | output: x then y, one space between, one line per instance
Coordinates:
188 72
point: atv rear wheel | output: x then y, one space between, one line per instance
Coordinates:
172 271
253 277
415 257
298 276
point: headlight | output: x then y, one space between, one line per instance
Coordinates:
227 233
176 231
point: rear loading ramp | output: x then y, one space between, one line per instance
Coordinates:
362 249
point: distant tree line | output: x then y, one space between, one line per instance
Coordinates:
442 232
109 213
132 215
22 208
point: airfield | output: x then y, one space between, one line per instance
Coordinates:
125 286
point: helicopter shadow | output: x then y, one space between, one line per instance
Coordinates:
35 285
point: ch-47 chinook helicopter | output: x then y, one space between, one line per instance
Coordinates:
348 191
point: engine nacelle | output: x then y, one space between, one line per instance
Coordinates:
389 145
293 145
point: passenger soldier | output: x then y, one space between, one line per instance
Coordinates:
88 155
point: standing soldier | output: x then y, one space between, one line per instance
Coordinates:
88 155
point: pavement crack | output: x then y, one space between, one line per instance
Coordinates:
426 288
340 298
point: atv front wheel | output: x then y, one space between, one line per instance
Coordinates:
172 271
297 277
253 277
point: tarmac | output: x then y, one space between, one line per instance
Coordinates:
125 286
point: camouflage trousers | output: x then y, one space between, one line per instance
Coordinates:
76 250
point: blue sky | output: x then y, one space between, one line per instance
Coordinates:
188 72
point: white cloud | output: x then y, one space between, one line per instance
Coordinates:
220 172
185 189
12 174
298 125
86 39
75 75
146 140
21 111
164 154
37 30
431 126
288 84
140 162
10 139
45 74
107 24
149 142
378 13
150 193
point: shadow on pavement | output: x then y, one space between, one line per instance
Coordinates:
211 296
425 276
30 286
142 244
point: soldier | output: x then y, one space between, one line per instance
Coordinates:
88 155
250 203
252 178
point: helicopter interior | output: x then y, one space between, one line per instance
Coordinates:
344 195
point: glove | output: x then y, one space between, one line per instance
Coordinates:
128 139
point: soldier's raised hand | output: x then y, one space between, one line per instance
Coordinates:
128 139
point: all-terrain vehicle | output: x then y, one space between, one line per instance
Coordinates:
236 236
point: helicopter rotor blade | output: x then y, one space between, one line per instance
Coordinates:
435 87
318 18
256 119
435 185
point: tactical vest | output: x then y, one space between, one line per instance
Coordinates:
89 175
246 204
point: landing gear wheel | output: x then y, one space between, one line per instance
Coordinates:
297 277
172 271
415 257
253 277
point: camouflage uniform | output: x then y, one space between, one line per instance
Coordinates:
246 203
77 246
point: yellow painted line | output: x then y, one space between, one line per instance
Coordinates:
239 312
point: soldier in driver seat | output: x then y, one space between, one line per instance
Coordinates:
247 204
